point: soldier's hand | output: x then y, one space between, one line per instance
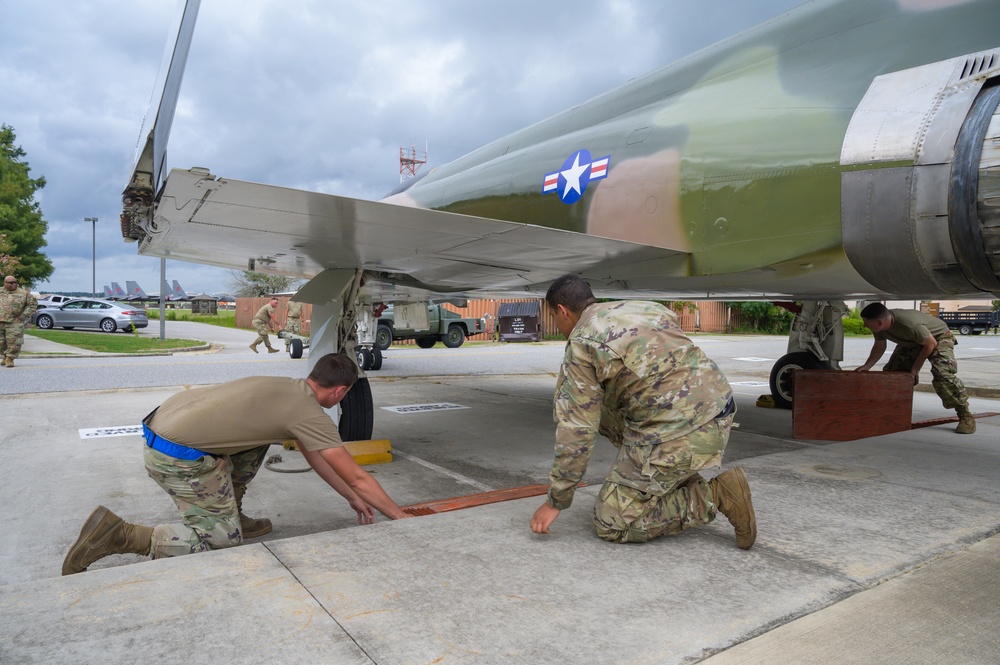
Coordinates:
365 513
543 518
916 377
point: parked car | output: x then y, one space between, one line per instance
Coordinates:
88 313
54 301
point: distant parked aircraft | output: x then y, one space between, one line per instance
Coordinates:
108 293
118 291
179 293
135 291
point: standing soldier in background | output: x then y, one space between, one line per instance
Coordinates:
632 375
16 307
919 337
264 322
293 323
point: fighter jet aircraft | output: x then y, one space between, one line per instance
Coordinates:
845 150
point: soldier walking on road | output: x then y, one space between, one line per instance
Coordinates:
205 445
16 308
919 337
632 375
263 322
293 320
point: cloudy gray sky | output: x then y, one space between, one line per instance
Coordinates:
311 94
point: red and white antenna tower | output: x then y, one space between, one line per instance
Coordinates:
410 161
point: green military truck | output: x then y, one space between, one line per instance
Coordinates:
443 325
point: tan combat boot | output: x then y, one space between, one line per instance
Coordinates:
250 526
105 533
253 347
8 361
731 494
966 423
270 349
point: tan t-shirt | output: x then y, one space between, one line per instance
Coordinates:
294 310
264 314
910 328
243 414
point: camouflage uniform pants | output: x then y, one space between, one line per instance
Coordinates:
11 339
656 490
292 325
262 332
203 492
944 370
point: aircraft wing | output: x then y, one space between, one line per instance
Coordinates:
243 225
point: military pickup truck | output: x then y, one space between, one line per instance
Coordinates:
971 323
444 325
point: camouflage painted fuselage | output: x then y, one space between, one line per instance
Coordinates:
732 155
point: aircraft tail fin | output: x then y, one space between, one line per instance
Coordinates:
134 290
108 293
179 292
118 290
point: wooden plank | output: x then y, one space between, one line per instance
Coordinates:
831 405
472 500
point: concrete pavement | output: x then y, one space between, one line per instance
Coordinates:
872 551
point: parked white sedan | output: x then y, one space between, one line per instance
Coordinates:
87 313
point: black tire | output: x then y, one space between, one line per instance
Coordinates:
965 330
295 350
357 413
781 375
383 337
426 342
68 327
376 359
977 332
364 357
108 325
454 337
44 322
128 329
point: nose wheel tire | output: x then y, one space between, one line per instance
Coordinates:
782 388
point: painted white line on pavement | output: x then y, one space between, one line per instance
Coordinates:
440 469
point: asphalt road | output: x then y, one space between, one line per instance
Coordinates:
744 358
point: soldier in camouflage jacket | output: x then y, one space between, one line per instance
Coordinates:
16 308
630 374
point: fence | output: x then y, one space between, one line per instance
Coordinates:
708 316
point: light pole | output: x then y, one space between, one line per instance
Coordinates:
93 249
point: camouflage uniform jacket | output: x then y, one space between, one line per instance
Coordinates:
16 306
630 373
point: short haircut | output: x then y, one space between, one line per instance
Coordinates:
335 369
572 292
274 297
874 311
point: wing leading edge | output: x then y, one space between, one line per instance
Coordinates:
243 225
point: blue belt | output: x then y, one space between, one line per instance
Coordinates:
159 444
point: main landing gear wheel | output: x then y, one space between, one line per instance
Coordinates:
295 350
781 375
357 413
376 359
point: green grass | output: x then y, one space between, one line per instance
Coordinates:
225 318
112 343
